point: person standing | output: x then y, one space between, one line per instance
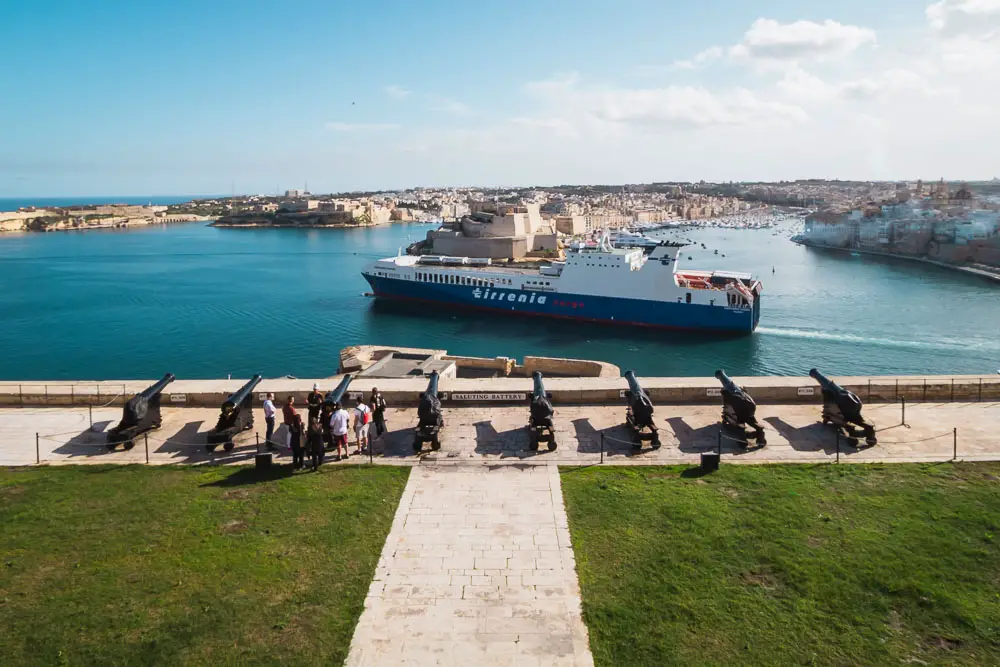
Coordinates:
339 422
294 424
314 443
377 404
362 419
315 401
269 412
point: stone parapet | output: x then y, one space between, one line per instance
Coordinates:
512 390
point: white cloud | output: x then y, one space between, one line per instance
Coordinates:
958 17
558 83
396 92
770 40
448 105
700 59
694 107
361 127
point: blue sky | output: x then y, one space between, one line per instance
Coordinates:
183 97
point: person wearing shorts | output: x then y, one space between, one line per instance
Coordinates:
362 419
339 422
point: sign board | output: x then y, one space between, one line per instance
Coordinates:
622 393
807 391
178 398
261 397
713 391
355 395
488 397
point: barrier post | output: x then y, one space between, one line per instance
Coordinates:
903 418
371 452
256 436
980 390
869 390
897 389
954 444
38 451
72 395
720 443
953 390
838 446
602 448
20 395
145 442
90 414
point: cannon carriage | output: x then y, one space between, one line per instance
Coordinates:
140 415
236 416
739 413
540 426
429 418
639 414
842 409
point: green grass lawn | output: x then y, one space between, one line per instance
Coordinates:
207 566
789 565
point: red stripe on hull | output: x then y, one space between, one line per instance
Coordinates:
554 316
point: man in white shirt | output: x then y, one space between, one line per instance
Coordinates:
362 418
269 412
339 422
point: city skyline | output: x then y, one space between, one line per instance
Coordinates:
187 99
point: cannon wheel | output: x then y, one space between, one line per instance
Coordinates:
229 446
533 440
417 445
552 444
435 444
872 441
128 444
112 446
655 440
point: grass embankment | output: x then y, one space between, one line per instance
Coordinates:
157 565
781 565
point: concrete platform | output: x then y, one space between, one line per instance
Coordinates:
498 435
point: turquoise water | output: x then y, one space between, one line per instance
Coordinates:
203 302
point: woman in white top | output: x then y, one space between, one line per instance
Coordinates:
362 418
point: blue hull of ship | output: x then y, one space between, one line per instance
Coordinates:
635 312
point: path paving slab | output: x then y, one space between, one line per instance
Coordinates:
477 570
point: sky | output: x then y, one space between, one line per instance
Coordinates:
183 97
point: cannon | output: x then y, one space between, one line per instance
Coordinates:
639 414
842 409
739 412
540 420
140 415
336 395
429 419
236 416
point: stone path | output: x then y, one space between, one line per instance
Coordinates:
477 570
486 435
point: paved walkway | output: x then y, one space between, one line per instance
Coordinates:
499 435
477 570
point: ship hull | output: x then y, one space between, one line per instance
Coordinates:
579 307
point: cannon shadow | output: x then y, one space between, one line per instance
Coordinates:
245 476
506 444
86 444
397 444
617 439
698 440
812 438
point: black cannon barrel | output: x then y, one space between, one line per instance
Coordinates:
539 390
825 382
336 394
240 395
157 387
633 383
727 382
432 384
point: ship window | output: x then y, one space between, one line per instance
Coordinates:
687 298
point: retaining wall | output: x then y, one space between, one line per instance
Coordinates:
510 390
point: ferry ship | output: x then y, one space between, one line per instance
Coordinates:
593 284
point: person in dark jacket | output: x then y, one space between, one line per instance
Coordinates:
314 442
315 401
294 424
377 404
